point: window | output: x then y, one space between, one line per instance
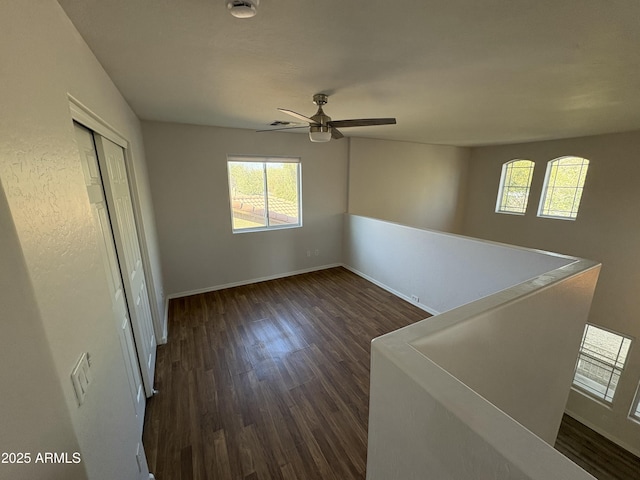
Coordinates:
264 192
515 182
635 410
563 185
600 362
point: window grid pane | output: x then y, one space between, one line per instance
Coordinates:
246 188
600 362
636 413
515 182
564 184
282 196
264 194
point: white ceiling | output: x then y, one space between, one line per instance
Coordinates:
456 72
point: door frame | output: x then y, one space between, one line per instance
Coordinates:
80 113
95 188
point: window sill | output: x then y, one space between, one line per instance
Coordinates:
599 400
552 217
266 229
517 214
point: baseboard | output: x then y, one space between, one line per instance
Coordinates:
406 298
248 282
165 330
606 435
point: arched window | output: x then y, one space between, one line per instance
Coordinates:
563 185
515 182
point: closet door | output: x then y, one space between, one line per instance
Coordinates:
93 181
111 160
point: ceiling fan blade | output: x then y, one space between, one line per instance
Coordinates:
336 134
297 115
282 128
362 122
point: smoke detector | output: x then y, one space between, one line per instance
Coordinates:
243 8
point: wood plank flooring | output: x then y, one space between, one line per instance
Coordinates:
597 455
270 380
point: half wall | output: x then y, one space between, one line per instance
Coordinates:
479 390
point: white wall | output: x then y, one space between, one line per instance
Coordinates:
607 229
443 270
410 183
34 416
188 175
519 352
520 345
44 59
437 428
473 392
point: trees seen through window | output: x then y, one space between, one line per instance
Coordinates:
264 192
515 182
563 186
561 193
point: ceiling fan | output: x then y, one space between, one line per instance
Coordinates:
322 128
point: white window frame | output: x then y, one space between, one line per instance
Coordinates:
634 414
264 160
504 185
589 356
549 187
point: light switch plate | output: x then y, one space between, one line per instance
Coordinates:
81 378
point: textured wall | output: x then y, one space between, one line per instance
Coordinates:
607 229
437 428
444 271
188 174
44 59
409 183
34 416
475 392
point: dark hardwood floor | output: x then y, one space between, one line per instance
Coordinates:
597 455
271 381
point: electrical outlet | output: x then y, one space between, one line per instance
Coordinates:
317 252
415 298
308 253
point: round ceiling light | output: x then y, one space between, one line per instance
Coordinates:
243 8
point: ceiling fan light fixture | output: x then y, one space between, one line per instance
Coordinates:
322 128
243 8
319 133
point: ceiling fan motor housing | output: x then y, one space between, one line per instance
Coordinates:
320 131
320 99
321 118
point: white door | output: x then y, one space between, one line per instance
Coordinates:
116 186
93 181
